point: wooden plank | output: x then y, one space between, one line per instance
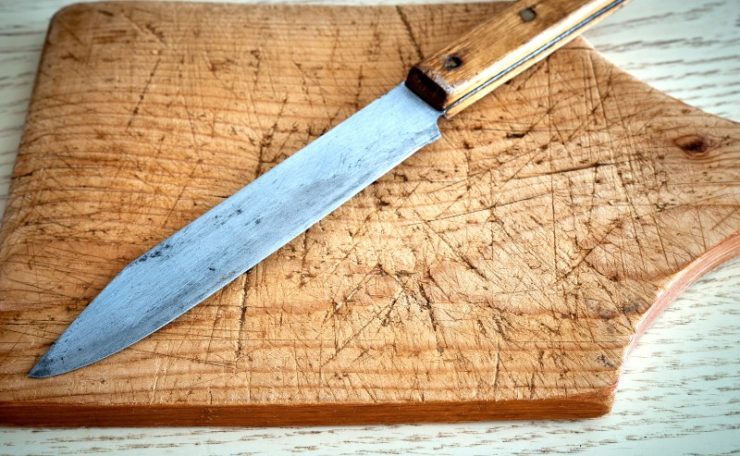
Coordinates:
502 266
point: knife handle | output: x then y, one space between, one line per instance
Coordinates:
492 53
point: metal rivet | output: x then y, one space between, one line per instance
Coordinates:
451 62
527 14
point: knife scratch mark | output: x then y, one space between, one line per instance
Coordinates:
427 304
219 308
268 136
242 316
142 94
409 32
356 333
182 191
173 357
147 30
155 383
472 267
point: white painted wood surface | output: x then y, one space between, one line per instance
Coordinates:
680 392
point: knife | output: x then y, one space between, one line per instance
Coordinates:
225 242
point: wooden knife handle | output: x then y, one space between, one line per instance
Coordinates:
494 52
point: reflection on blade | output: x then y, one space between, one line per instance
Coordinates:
213 250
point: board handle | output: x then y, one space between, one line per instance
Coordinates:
526 32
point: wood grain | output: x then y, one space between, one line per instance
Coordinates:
499 49
452 204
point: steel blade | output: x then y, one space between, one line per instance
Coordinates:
241 231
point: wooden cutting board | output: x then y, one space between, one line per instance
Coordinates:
503 272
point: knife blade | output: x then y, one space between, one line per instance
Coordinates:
234 236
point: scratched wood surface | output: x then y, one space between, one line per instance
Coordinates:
500 273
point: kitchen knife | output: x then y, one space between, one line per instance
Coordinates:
241 231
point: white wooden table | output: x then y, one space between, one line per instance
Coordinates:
680 390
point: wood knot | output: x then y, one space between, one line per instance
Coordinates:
692 145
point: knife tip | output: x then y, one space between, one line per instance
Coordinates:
42 369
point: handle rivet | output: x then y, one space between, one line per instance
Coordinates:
451 62
527 14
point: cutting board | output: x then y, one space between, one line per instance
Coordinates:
503 272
